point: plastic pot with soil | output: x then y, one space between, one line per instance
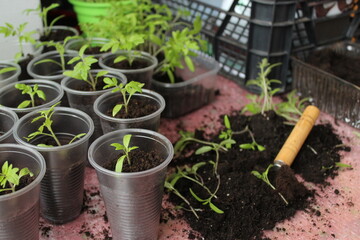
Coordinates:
9 73
12 97
144 110
20 210
8 118
82 97
132 196
191 90
94 49
64 146
141 69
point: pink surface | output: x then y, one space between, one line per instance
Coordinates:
340 213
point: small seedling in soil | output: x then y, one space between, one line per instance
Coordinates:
125 147
337 164
60 48
343 165
43 14
127 42
22 37
291 109
264 101
188 137
127 91
253 145
10 177
46 128
82 68
7 69
264 176
228 134
187 173
32 92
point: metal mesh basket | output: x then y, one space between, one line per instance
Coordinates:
227 31
330 93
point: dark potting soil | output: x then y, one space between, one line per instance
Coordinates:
23 65
56 35
249 204
93 50
341 65
24 181
136 108
136 64
87 87
140 161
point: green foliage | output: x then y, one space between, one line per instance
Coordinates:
264 101
190 173
20 34
82 68
32 92
180 48
7 69
125 147
343 165
10 177
43 13
291 109
127 42
264 176
127 91
46 127
227 134
60 48
150 27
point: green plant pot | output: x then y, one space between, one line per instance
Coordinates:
90 12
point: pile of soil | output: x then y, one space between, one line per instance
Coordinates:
250 206
341 65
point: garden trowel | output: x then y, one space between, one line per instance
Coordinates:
285 180
297 137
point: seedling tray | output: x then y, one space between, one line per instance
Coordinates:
330 93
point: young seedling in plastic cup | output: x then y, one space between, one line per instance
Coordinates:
125 147
32 92
10 177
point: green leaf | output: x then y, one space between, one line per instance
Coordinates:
116 109
260 148
343 165
126 140
24 104
118 146
203 149
189 63
119 164
7 69
196 196
246 146
257 174
215 209
227 122
41 94
120 58
24 172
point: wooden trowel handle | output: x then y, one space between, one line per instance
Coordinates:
297 136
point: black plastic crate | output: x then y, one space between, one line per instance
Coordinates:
271 26
227 33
